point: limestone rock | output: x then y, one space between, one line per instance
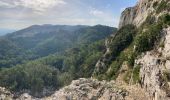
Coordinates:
81 89
152 71
137 15
5 94
90 89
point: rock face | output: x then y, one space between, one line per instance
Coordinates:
5 94
154 66
127 16
151 76
137 15
82 89
90 89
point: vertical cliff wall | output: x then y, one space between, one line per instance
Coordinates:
127 16
137 15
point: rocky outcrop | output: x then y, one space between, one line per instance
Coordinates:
82 89
90 89
151 75
5 94
154 67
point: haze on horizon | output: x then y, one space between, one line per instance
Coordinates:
18 14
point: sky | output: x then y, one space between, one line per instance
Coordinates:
18 14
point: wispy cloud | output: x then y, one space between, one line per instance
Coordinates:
17 14
6 4
96 12
35 5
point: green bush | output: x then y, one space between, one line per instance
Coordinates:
115 58
155 4
136 78
162 6
166 76
150 20
123 39
131 59
146 40
166 19
127 77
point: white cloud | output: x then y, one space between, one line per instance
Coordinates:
104 17
96 12
101 14
5 4
17 14
35 5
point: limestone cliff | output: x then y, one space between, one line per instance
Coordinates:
127 16
137 15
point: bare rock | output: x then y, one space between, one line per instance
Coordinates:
90 89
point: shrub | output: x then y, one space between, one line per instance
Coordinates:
127 76
166 19
136 78
155 4
150 20
146 40
123 39
115 58
162 6
131 59
166 76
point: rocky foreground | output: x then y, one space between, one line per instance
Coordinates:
82 89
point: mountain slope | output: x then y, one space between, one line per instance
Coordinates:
136 57
39 41
144 57
55 57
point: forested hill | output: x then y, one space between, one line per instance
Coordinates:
41 40
48 57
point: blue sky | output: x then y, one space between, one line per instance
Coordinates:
18 14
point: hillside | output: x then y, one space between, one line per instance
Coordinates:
39 41
4 31
41 59
141 60
132 64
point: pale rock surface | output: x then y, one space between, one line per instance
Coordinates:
137 15
5 94
82 89
153 65
90 89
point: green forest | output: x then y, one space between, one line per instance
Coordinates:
51 58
